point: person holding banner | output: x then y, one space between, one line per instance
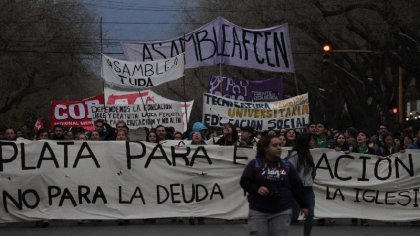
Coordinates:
272 184
362 148
300 157
95 136
42 134
121 136
58 132
197 139
152 137
104 129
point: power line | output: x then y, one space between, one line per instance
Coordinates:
98 53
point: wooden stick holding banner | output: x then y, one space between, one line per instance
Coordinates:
296 82
185 94
103 82
145 109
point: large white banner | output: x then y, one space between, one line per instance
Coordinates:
284 114
138 115
140 75
222 42
116 97
122 180
118 180
369 187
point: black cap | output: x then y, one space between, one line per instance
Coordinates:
247 128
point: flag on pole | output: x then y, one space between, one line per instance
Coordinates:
38 125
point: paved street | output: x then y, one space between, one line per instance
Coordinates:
211 227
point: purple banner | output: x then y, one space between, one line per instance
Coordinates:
267 90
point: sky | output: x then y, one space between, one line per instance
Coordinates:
138 20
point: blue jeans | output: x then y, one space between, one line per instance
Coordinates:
310 202
269 224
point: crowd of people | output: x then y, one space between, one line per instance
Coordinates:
275 205
379 142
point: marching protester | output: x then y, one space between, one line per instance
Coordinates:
58 132
340 143
247 138
387 147
271 185
362 148
104 129
9 134
68 135
290 137
311 128
161 133
300 157
415 144
121 135
197 139
82 137
94 136
282 139
229 137
178 135
152 137
42 134
200 127
321 136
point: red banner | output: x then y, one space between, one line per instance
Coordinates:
74 113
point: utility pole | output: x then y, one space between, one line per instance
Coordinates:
400 94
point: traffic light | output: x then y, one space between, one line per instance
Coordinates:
394 111
326 49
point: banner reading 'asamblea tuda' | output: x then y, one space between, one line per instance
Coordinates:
222 42
290 113
139 75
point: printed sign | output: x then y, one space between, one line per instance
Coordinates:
290 113
115 97
267 90
138 115
74 113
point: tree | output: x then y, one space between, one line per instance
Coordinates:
43 47
355 89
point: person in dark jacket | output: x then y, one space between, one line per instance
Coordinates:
229 137
272 185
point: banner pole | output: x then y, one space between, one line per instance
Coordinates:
145 109
296 83
185 94
102 51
